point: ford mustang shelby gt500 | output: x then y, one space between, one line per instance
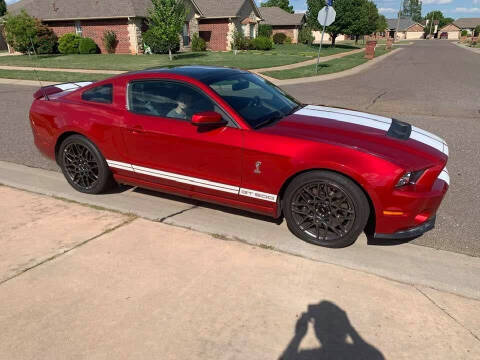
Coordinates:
229 137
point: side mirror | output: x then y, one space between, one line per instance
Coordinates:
208 118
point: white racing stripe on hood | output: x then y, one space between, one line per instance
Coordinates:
372 121
344 117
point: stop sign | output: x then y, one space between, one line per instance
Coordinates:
326 18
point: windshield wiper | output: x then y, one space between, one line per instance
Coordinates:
270 120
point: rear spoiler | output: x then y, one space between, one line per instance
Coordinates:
45 91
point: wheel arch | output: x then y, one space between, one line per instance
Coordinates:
369 228
62 138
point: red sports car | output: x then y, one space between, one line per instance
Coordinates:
229 137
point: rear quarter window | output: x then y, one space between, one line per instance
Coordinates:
100 94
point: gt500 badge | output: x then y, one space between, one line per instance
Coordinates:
258 195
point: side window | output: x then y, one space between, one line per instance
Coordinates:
100 94
168 99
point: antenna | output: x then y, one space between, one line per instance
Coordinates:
35 70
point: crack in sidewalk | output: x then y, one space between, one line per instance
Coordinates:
53 257
376 98
446 313
161 220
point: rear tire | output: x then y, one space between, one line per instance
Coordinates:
325 208
83 165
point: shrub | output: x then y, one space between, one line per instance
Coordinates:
109 41
279 38
87 46
288 40
464 33
239 41
261 43
198 44
69 43
157 43
265 30
46 42
305 36
476 32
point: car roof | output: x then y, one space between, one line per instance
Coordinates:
201 73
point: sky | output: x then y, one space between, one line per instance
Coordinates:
389 8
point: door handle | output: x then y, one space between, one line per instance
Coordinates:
137 129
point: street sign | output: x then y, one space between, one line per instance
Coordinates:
326 16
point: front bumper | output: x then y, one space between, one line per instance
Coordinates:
409 233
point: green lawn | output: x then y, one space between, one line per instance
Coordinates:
280 55
327 67
54 76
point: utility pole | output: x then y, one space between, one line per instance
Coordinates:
398 21
430 31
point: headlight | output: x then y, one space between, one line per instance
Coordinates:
409 178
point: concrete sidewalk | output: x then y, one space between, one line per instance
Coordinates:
129 288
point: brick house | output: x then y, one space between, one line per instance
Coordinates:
407 29
452 30
213 20
468 24
282 21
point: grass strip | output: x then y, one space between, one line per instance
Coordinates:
53 76
328 67
252 59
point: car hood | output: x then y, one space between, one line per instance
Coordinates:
388 138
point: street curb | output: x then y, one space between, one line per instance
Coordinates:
25 82
352 71
82 71
406 263
474 50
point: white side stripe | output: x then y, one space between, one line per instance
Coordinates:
193 181
444 176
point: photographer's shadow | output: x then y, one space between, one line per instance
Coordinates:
338 338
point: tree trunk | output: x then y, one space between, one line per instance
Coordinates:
356 39
334 37
170 54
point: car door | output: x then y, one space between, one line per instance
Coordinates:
165 148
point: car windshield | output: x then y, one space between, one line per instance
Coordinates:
259 102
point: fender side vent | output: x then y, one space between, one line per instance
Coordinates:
399 130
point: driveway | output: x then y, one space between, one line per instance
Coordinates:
432 84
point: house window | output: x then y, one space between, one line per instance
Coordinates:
252 31
186 34
78 28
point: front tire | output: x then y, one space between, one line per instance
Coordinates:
325 208
83 165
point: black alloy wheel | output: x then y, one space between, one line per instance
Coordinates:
83 165
325 208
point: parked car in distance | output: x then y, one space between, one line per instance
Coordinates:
227 136
444 35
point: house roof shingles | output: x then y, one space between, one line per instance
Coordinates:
85 9
405 23
467 23
278 17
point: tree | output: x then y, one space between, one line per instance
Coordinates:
3 8
282 4
165 19
382 24
20 31
436 15
412 9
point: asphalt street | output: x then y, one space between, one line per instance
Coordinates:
431 84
